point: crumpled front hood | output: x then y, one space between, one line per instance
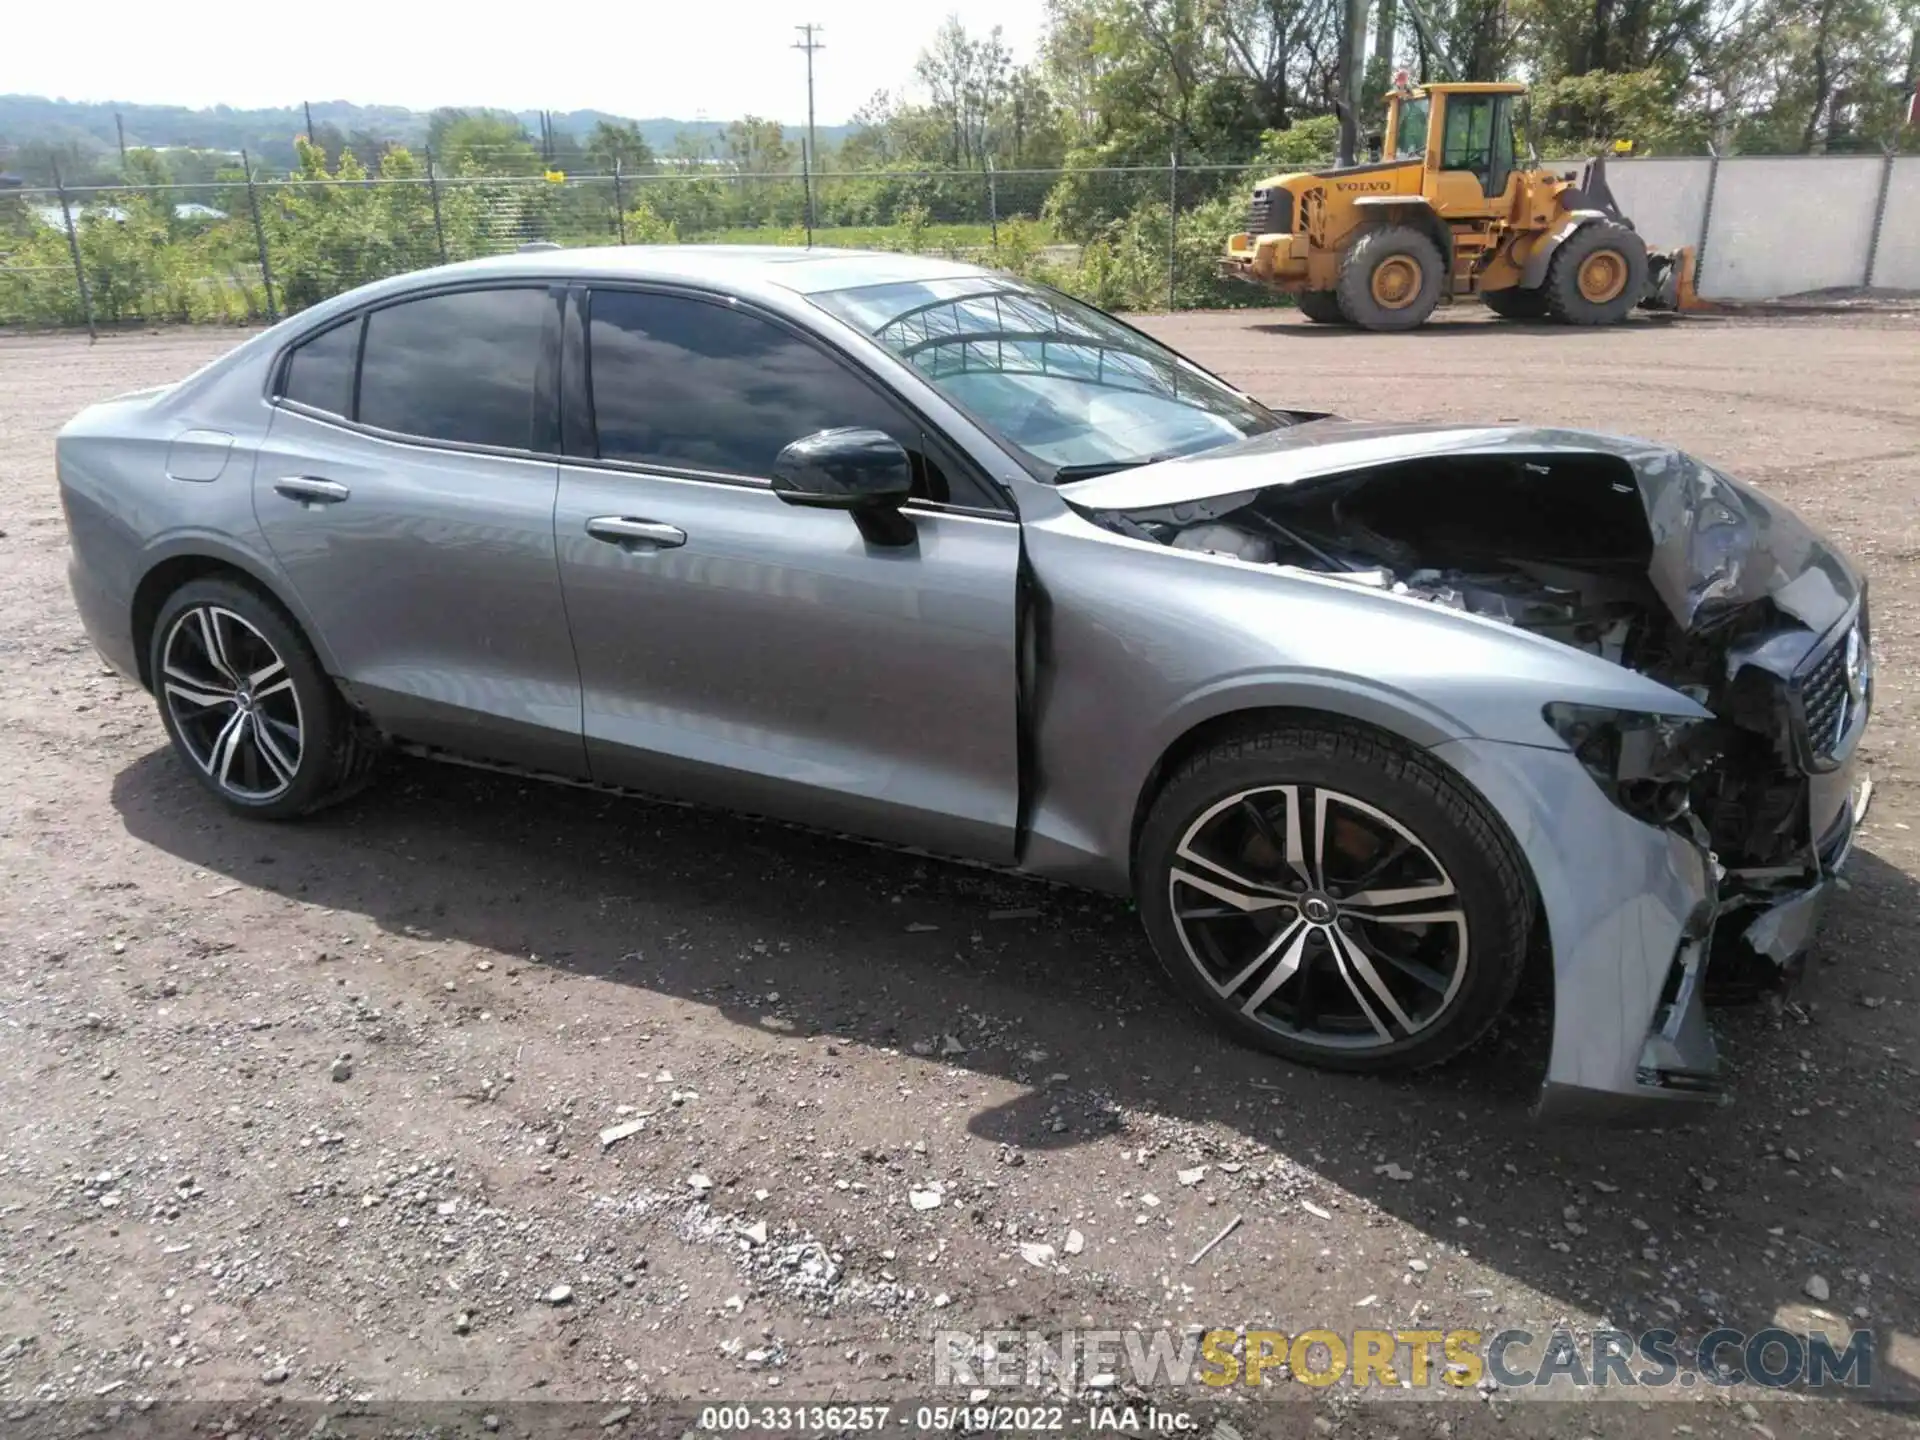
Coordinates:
1718 546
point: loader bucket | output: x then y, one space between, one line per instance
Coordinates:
1670 281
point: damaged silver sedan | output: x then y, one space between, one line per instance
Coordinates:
1369 719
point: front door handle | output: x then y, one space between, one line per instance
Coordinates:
625 530
311 490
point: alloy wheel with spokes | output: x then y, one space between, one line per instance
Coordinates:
1320 916
233 703
1333 894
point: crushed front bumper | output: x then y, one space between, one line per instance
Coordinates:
1630 911
1777 921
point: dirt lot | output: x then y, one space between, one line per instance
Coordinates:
195 1206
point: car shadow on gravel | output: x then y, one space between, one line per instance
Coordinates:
877 948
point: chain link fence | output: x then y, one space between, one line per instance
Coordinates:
253 249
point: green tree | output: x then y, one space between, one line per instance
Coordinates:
482 142
969 79
612 145
758 147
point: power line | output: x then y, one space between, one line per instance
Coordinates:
807 43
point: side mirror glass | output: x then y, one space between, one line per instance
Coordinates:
849 468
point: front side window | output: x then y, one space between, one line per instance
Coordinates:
693 385
319 372
458 367
1069 388
1410 142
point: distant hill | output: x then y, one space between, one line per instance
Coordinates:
86 128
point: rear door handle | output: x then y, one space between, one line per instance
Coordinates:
625 530
311 490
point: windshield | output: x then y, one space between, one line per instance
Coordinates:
1410 142
1072 389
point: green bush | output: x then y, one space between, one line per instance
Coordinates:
1305 145
142 267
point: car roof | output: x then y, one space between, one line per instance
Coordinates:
789 267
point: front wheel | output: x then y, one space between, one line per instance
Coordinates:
1333 896
1390 279
1597 276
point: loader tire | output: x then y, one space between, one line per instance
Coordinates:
1390 279
1322 307
1516 303
1597 276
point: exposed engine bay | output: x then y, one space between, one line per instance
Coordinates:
1672 581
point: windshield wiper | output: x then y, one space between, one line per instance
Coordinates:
1067 474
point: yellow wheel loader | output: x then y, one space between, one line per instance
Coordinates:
1447 211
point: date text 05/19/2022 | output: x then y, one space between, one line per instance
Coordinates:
974 1418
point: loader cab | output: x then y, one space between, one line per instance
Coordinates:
1464 136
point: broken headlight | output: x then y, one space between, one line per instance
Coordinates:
1643 762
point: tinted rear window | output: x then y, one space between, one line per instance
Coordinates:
320 371
456 367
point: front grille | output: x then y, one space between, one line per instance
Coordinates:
1271 212
1831 694
1823 700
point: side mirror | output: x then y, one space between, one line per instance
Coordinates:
843 469
866 472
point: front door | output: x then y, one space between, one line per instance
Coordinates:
1476 154
403 497
741 651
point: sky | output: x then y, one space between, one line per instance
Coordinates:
682 58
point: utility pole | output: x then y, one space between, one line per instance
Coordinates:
121 131
808 152
1353 57
308 109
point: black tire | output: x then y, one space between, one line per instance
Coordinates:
249 710
1449 825
1594 244
1390 246
1322 307
1516 303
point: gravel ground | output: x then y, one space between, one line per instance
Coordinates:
865 1090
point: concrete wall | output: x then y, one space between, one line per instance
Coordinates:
1788 225
1897 263
1665 198
1779 225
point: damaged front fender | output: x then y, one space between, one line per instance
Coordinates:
1629 910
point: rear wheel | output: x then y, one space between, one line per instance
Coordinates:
1322 307
1516 303
1597 276
1390 279
247 706
1334 897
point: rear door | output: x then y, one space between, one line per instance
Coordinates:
406 488
742 651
